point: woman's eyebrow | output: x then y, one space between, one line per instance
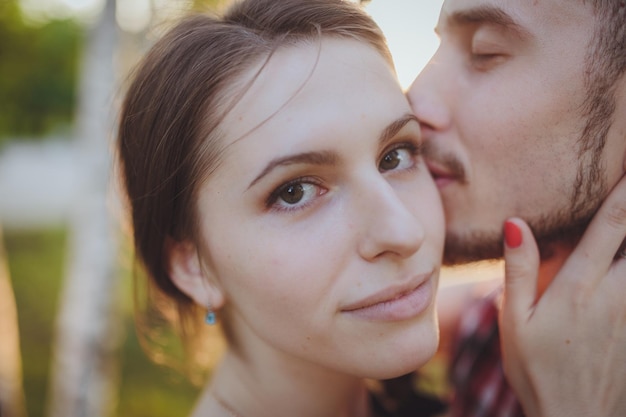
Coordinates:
311 158
394 127
329 157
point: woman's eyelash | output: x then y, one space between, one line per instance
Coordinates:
274 196
415 148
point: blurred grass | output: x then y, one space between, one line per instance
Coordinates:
149 390
36 263
35 266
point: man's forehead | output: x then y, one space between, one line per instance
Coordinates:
484 13
519 15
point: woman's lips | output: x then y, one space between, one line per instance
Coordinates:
396 303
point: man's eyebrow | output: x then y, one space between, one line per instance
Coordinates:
328 157
486 14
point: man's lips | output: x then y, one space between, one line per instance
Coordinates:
441 174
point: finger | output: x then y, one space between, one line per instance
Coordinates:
521 257
602 239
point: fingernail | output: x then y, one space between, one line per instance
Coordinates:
512 234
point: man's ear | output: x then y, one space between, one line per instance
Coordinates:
186 272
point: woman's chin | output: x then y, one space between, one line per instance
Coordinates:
407 356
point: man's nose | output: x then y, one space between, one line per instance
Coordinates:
429 96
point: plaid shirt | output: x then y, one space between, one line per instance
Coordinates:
476 375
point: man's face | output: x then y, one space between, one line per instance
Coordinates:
503 110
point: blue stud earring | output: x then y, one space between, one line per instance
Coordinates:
210 318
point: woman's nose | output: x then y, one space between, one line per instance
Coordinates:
389 227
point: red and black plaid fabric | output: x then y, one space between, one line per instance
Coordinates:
476 375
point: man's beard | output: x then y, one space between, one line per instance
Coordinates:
558 230
561 228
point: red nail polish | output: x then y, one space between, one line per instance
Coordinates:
512 234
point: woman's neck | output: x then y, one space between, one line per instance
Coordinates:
243 388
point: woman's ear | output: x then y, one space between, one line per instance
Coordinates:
186 272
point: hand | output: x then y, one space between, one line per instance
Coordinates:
565 353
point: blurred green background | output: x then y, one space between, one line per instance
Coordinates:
41 48
36 262
38 73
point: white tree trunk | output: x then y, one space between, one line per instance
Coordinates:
11 391
84 368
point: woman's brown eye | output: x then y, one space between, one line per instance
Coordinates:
295 195
292 194
390 161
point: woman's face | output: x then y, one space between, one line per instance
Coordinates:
322 227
